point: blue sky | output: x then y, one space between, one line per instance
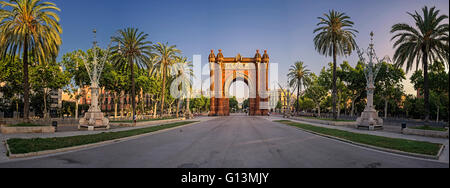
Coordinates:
283 27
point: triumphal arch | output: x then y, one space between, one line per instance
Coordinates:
227 70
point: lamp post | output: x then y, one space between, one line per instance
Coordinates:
369 118
94 118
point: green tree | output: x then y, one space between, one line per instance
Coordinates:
74 65
335 38
29 27
307 104
234 104
198 104
355 81
115 81
325 80
246 104
421 45
143 82
133 48
184 74
316 92
389 85
47 77
11 80
438 80
298 73
166 56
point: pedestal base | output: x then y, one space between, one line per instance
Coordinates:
189 116
369 120
93 121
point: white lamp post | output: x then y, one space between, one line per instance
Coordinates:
94 118
369 118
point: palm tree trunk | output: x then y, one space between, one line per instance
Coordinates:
318 110
426 87
154 109
17 109
45 104
163 89
116 101
26 85
178 107
385 108
188 108
133 87
122 98
76 109
298 97
334 81
142 103
339 105
77 99
438 108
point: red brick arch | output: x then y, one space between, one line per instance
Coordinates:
254 71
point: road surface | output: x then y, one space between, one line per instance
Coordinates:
229 142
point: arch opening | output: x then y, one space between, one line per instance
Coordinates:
239 96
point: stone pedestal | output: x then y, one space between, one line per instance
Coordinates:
94 121
369 120
94 118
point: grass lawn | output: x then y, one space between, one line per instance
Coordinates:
21 146
143 120
430 128
26 125
327 119
378 141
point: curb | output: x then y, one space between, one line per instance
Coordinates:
93 145
434 157
141 124
349 124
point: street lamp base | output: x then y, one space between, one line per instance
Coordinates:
93 121
369 120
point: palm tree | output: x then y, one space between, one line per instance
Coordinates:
132 49
335 38
184 73
426 42
298 74
446 52
166 56
30 27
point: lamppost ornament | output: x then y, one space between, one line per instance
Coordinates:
369 118
94 118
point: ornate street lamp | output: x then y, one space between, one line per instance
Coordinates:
369 118
94 118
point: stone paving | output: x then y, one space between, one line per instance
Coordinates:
239 124
227 142
392 134
71 131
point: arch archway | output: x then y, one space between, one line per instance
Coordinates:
238 93
225 71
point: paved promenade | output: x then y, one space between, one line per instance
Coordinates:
229 142
444 157
4 137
